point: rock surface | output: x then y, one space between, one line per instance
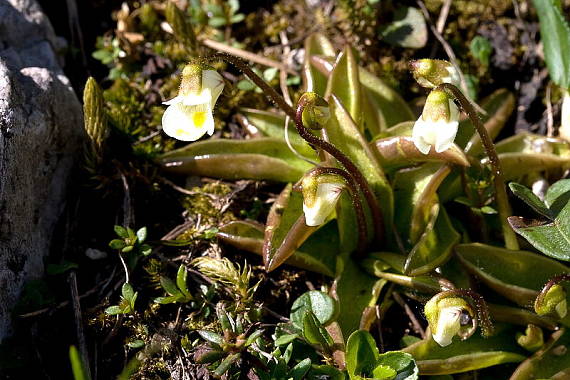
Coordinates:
40 136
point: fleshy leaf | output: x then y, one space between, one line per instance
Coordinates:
468 355
527 271
344 84
261 159
314 80
286 232
342 132
400 151
555 36
272 124
517 165
249 237
389 106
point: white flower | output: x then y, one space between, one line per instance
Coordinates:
437 125
321 204
189 115
448 325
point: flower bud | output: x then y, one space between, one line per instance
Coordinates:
316 113
553 302
430 73
437 124
189 115
448 317
532 339
320 195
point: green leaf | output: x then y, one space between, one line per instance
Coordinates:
117 244
226 364
249 236
434 246
286 232
211 337
260 159
166 300
127 291
300 370
169 286
344 84
314 80
217 22
361 354
517 165
408 29
530 199
121 232
382 372
141 235
272 124
113 310
401 362
146 249
551 237
285 339
321 304
356 290
342 132
237 18
77 366
127 249
382 105
558 195
481 49
400 151
181 277
471 354
314 332
526 275
555 36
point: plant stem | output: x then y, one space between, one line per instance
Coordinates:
355 198
501 197
377 219
124 267
371 200
267 89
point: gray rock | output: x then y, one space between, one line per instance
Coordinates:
40 136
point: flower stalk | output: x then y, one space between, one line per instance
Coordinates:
503 205
297 115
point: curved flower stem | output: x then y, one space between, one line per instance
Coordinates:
267 89
556 280
355 198
479 304
371 200
503 205
377 219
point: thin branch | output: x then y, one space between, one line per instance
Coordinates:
248 56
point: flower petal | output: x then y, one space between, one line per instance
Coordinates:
212 80
174 100
325 202
446 132
422 136
187 123
448 325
